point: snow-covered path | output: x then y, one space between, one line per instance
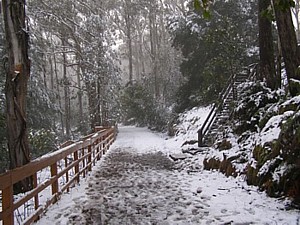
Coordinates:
137 183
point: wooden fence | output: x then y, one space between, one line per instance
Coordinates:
70 164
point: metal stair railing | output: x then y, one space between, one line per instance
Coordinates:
218 105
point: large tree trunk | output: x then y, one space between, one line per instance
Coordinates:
17 75
288 42
266 49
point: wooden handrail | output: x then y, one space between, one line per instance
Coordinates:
83 155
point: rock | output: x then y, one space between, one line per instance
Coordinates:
178 156
294 87
192 151
199 190
224 145
191 142
290 105
195 211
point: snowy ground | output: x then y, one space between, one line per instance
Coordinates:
137 183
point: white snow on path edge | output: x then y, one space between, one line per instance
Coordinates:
228 199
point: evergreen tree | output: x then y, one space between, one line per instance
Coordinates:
214 49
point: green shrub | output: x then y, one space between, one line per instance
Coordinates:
42 142
139 108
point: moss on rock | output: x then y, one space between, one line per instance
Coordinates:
225 166
295 86
224 145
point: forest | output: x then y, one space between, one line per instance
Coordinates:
68 66
93 63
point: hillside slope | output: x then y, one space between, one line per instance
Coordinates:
263 143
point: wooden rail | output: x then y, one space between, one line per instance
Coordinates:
70 163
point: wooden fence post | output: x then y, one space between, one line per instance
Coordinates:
55 183
102 145
83 162
111 137
94 151
76 166
98 148
105 143
36 197
7 204
89 157
67 173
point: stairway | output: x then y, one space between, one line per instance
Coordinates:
219 117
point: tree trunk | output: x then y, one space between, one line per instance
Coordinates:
17 75
102 96
153 50
92 101
288 42
128 24
296 16
91 96
51 73
130 58
79 95
141 55
44 72
58 95
266 49
49 57
98 102
80 91
66 92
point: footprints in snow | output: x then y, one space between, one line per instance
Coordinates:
144 188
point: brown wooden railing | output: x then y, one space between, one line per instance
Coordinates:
68 164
